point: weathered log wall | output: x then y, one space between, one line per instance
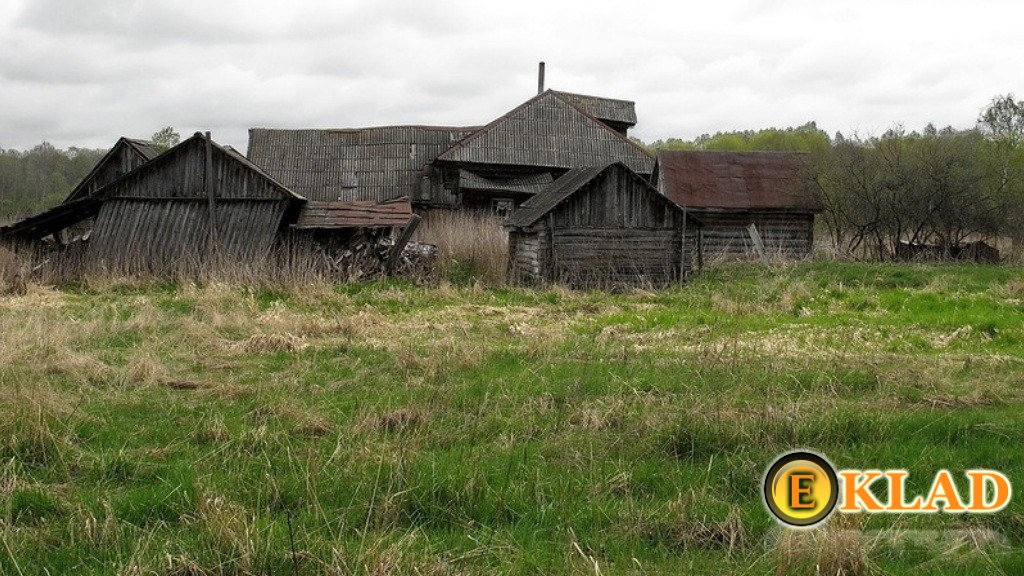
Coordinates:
614 230
786 235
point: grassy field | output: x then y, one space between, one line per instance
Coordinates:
395 429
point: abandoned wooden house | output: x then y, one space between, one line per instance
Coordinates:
126 155
600 226
495 166
199 201
748 202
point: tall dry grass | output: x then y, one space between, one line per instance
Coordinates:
472 245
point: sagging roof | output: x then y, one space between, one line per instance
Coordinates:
352 164
530 184
549 131
335 214
609 110
738 180
124 156
53 220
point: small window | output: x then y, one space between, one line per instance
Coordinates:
503 207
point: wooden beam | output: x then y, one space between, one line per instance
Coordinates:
396 250
211 198
755 237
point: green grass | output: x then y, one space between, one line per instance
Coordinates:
387 428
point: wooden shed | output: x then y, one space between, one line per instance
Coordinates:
195 201
602 226
730 191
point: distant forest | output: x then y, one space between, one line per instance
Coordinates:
34 180
942 186
936 185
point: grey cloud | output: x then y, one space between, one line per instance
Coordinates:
83 73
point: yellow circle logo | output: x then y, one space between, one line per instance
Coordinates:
801 489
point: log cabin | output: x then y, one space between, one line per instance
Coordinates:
602 226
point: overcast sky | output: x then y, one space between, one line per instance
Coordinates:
83 72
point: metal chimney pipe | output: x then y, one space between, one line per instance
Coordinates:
540 78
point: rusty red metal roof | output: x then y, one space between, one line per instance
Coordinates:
738 180
336 214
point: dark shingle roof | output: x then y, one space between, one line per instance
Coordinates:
738 180
352 164
548 131
604 109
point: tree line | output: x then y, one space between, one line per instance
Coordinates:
941 187
37 179
933 186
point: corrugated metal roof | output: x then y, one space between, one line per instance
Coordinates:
547 131
531 184
605 109
335 214
352 164
738 180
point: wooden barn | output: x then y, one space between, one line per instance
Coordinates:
602 226
195 200
750 203
496 166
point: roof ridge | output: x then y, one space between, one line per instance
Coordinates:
623 100
487 127
199 135
361 128
549 92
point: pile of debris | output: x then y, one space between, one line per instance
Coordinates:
373 253
360 239
978 251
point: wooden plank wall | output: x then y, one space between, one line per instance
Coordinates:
166 235
158 220
525 250
615 231
784 235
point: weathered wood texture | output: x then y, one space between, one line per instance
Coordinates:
620 115
158 217
611 228
74 216
150 235
548 131
325 215
785 235
358 164
126 155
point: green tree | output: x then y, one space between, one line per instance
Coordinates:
166 137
